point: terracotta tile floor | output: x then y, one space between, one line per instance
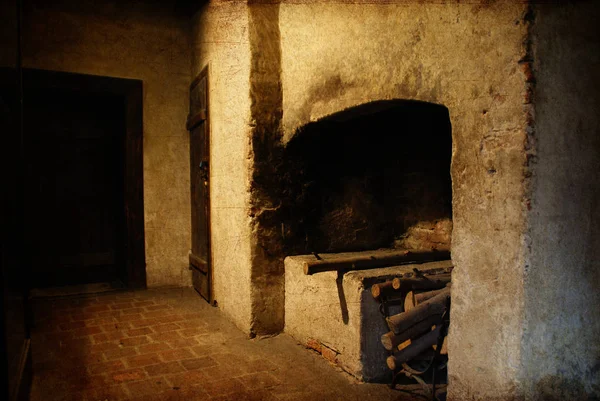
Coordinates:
171 345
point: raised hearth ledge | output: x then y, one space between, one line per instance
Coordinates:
337 314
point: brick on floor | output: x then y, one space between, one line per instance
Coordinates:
133 341
186 380
253 381
106 367
149 386
139 332
142 360
176 354
153 348
199 363
164 368
250 396
112 393
223 387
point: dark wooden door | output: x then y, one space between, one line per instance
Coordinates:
198 125
77 215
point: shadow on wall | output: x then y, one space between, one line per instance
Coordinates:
372 176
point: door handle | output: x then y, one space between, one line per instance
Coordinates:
203 170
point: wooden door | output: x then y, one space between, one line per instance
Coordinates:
198 125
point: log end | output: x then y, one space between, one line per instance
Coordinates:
306 269
391 362
396 283
388 340
409 301
375 291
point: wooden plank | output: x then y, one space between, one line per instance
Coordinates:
198 263
193 121
361 262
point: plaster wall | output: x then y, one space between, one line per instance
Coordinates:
561 352
145 41
221 41
466 57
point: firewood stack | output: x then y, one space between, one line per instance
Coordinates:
413 334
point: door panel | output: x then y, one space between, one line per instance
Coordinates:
198 125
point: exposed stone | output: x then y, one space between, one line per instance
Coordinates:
329 354
313 344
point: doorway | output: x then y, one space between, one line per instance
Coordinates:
84 196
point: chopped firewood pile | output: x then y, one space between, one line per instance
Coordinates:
418 332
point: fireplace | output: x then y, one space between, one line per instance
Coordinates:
363 186
373 176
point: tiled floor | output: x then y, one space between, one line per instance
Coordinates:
171 345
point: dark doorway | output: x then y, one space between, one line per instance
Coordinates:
84 179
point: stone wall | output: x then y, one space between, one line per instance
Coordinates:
465 57
303 60
138 40
221 41
561 352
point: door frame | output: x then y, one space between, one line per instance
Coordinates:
133 168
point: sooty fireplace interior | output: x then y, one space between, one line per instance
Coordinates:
373 176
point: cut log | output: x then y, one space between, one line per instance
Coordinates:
409 301
383 289
414 349
424 296
361 262
390 340
434 306
432 282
